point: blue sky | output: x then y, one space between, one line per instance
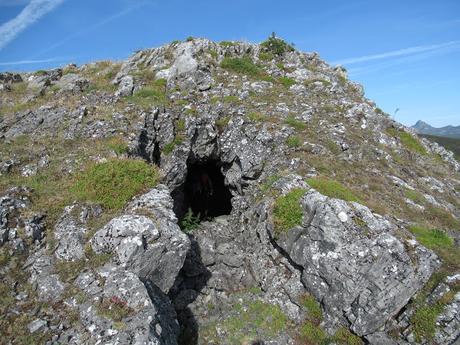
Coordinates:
406 53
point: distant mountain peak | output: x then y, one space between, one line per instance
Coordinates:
448 131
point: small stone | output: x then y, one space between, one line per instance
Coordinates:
343 217
37 325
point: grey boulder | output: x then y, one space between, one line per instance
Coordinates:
361 274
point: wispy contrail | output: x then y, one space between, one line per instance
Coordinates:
398 53
92 27
29 62
29 15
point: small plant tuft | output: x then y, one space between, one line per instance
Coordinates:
286 82
114 309
294 141
190 222
288 211
294 123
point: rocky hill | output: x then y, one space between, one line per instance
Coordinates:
447 131
220 193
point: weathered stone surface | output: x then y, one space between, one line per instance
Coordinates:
43 79
70 230
11 205
125 87
154 248
364 277
296 118
36 325
72 82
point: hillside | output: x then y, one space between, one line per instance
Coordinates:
451 144
447 131
220 193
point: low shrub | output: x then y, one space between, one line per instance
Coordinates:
276 46
243 66
190 222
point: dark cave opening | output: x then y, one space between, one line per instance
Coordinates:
204 194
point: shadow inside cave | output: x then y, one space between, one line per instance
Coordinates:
191 280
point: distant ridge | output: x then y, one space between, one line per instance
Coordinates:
447 131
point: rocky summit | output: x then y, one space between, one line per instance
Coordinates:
220 193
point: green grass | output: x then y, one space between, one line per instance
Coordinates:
226 44
180 125
344 337
310 333
431 238
222 123
251 319
415 196
408 141
424 321
294 141
441 218
287 211
266 56
243 66
256 116
332 188
312 306
294 123
152 94
230 99
113 183
286 82
267 185
118 145
169 147
440 243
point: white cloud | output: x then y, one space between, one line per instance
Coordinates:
399 53
29 15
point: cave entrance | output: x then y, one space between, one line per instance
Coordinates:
204 194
